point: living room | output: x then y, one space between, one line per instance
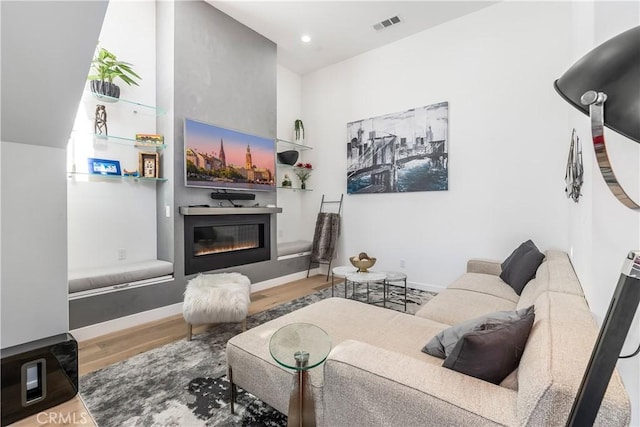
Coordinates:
509 136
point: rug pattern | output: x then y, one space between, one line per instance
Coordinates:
183 384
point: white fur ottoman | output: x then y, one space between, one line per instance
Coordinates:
216 298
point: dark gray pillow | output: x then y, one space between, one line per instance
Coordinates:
521 266
442 344
493 351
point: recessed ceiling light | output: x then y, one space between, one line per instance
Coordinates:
305 38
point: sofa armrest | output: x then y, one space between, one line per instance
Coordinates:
368 385
484 266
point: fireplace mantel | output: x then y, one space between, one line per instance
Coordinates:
193 210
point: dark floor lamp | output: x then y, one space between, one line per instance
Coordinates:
609 73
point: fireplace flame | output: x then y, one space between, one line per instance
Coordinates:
225 248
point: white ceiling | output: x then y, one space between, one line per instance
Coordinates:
338 29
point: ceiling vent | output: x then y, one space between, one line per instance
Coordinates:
386 23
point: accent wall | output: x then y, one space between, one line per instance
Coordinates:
213 69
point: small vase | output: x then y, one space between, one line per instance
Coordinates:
303 185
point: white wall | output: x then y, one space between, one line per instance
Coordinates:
108 215
34 259
601 229
507 135
38 111
289 98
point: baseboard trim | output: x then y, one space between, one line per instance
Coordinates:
260 286
425 287
126 322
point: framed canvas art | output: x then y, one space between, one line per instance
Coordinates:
399 152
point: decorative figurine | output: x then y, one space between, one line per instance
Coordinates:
100 123
286 182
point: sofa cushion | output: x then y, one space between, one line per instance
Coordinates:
493 350
485 284
555 274
511 381
454 306
521 266
93 278
443 343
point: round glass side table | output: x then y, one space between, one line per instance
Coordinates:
300 346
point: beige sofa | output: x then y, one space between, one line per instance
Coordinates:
377 375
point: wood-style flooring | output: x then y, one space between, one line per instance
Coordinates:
108 349
103 351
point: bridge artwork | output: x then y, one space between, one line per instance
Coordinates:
402 152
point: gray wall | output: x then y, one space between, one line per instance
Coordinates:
213 69
225 74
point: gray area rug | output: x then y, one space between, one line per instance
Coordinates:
184 384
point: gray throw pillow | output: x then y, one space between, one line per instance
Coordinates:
442 344
520 267
493 351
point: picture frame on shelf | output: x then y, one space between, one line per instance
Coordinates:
103 166
149 139
149 165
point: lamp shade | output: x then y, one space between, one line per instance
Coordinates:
614 69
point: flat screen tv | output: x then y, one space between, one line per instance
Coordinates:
221 158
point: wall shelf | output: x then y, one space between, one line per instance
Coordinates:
98 177
249 210
293 145
295 188
138 106
122 140
293 167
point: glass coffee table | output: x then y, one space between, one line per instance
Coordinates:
300 346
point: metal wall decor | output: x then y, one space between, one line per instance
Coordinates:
574 175
609 73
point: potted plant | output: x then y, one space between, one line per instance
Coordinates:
107 68
298 128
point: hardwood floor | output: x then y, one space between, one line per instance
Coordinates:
103 351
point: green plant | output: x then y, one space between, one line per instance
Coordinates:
108 68
298 126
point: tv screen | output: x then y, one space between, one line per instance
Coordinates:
221 158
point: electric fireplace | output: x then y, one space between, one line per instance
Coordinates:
212 242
